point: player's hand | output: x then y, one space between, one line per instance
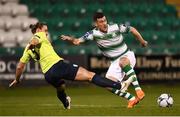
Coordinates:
144 44
13 83
64 37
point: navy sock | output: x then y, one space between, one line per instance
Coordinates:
62 97
104 82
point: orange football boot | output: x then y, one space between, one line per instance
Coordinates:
140 94
132 103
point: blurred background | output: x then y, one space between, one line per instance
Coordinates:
158 65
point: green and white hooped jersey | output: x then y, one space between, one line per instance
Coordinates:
111 43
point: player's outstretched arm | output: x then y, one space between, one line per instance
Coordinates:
138 36
19 70
73 40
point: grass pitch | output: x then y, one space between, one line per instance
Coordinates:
86 101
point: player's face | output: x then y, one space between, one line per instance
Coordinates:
101 24
43 29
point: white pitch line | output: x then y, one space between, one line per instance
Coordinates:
100 106
72 105
80 105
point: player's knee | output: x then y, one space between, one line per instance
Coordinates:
84 74
123 62
90 75
111 78
61 87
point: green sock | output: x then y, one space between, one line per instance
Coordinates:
132 75
125 95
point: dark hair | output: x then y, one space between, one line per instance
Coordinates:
98 15
33 27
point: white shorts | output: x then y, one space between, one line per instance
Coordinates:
115 70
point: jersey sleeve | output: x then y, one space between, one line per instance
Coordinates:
123 28
87 36
25 57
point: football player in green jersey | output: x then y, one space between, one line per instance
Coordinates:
109 39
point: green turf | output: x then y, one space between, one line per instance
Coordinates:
85 101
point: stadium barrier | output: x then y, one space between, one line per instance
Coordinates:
32 70
152 67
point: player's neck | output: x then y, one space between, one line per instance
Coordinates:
104 31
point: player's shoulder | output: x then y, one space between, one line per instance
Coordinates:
39 34
94 29
113 26
90 32
36 36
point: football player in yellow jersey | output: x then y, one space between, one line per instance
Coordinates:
55 68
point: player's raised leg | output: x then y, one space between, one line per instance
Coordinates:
83 75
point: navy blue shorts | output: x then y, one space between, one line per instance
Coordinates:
59 71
